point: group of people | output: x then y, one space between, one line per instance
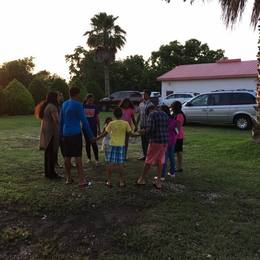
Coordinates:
62 125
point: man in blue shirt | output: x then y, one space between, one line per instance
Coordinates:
72 120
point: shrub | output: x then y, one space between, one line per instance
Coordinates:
61 86
18 99
2 102
38 89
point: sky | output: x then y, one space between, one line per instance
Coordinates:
50 29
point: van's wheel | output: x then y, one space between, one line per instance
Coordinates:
243 122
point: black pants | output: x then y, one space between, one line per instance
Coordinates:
89 144
145 142
50 157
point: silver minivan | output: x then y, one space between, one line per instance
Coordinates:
222 107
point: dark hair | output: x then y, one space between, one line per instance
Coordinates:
176 107
108 119
148 92
118 112
87 98
74 91
149 108
166 110
129 102
51 98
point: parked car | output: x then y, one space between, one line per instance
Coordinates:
222 107
115 99
182 97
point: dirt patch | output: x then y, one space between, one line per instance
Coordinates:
86 234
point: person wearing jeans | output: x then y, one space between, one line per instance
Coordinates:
172 137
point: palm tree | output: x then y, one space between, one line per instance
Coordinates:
232 10
105 38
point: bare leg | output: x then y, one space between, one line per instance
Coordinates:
179 160
67 164
159 174
121 175
110 168
141 179
80 170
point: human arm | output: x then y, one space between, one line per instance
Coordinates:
85 125
98 125
134 122
61 122
105 133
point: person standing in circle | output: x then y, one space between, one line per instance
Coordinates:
179 116
142 118
91 113
128 110
48 112
72 118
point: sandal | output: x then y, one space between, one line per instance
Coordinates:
122 185
109 184
156 186
139 184
69 181
84 184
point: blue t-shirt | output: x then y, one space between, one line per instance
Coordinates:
91 113
72 117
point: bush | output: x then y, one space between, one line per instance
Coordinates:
38 89
2 102
18 99
61 86
95 89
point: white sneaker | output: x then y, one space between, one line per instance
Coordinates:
171 175
162 178
97 163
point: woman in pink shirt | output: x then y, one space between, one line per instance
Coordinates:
179 116
128 110
173 125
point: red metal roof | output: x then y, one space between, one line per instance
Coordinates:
222 69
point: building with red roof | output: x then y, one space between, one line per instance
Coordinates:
226 74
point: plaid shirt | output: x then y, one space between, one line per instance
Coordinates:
157 127
142 111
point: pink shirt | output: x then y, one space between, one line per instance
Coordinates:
172 135
180 118
127 115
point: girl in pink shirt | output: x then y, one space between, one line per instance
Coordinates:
128 110
173 124
179 116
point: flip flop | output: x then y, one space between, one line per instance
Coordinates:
109 185
122 185
139 184
69 181
157 187
83 185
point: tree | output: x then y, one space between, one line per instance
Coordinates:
105 38
17 69
18 100
233 10
38 89
60 85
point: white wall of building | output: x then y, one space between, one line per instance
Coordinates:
201 86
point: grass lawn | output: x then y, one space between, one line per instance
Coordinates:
211 212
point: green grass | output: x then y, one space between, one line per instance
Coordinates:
212 212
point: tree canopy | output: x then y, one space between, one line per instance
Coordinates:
232 10
134 72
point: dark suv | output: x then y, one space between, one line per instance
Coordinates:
108 103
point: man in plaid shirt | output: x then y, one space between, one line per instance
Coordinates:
157 129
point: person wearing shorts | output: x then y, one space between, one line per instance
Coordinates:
179 117
71 118
117 129
157 128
